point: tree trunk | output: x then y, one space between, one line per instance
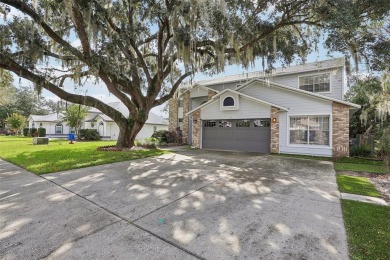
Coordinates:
128 133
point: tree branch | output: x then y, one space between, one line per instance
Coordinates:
10 65
23 7
175 86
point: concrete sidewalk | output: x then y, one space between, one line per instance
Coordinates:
361 198
188 204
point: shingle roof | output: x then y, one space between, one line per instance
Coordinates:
54 117
312 66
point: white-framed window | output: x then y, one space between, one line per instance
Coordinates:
315 83
59 129
228 102
309 130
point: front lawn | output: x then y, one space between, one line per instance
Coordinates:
368 230
346 164
359 165
356 185
59 155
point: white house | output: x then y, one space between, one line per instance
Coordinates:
107 128
296 110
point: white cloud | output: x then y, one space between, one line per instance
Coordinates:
76 43
105 98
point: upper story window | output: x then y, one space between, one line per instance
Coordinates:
228 102
315 83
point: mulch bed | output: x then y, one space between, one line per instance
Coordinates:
113 148
381 181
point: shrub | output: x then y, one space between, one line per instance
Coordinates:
26 131
89 135
361 151
33 132
41 132
149 143
166 136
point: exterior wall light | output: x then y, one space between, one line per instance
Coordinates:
273 120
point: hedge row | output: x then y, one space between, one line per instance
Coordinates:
34 132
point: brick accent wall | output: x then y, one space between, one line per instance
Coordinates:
196 128
186 106
173 106
211 94
275 130
340 135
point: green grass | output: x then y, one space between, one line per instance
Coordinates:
368 230
359 166
59 155
346 164
356 185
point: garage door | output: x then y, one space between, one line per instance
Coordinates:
250 135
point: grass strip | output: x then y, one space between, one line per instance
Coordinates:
368 230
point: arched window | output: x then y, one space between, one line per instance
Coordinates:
228 102
59 129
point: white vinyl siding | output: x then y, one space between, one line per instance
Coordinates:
248 109
195 102
298 104
336 81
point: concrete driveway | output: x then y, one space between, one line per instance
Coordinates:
186 205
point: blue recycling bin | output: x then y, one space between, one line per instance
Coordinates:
71 137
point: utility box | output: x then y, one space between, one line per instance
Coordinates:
40 140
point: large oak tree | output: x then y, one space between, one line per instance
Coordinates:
142 50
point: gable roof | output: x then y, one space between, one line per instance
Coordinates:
214 98
197 85
300 91
54 117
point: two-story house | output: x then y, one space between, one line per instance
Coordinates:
295 110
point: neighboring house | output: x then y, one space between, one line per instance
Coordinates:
296 110
107 128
